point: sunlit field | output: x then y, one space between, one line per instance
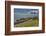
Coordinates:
28 23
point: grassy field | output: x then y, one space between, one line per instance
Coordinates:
29 23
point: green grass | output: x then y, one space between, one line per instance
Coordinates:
29 23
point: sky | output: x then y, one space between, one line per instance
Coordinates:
24 13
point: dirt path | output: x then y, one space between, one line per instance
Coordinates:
27 22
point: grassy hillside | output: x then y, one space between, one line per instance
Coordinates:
28 23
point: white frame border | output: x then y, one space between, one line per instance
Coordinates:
25 28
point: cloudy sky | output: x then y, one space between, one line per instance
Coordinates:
24 13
